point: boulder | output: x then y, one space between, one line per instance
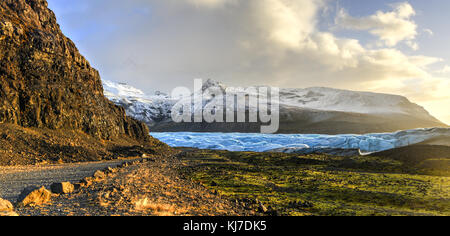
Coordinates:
99 175
34 196
62 188
5 206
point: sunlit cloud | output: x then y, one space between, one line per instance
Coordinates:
444 70
258 42
391 27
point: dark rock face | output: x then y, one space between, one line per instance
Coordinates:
46 83
62 188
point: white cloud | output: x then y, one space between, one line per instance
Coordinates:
288 22
390 27
254 42
413 45
429 31
445 70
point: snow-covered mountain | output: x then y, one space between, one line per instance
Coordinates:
308 110
328 99
150 109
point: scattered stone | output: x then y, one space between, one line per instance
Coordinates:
5 205
110 170
301 205
99 174
62 188
86 182
262 208
257 201
135 162
34 196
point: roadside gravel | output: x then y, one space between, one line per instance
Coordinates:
14 179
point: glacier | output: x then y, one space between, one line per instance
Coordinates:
368 143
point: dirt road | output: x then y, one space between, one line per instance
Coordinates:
152 187
14 179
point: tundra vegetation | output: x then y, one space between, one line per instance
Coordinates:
289 184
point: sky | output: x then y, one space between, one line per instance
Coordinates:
396 47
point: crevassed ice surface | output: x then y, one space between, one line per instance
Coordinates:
267 142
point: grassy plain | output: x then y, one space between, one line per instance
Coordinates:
322 185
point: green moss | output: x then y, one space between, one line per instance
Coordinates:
359 186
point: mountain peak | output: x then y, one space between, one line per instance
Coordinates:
210 83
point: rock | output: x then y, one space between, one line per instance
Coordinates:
62 188
86 182
46 83
257 201
262 208
5 205
99 174
8 213
110 170
301 204
34 196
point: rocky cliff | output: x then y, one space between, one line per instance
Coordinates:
46 83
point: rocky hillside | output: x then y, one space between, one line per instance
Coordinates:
46 83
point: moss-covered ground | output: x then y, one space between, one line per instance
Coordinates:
323 185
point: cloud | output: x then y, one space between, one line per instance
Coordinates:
288 22
390 27
162 44
428 31
444 70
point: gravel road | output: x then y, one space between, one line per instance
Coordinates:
14 179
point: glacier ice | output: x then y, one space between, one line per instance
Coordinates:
269 142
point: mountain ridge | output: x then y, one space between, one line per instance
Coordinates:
308 110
